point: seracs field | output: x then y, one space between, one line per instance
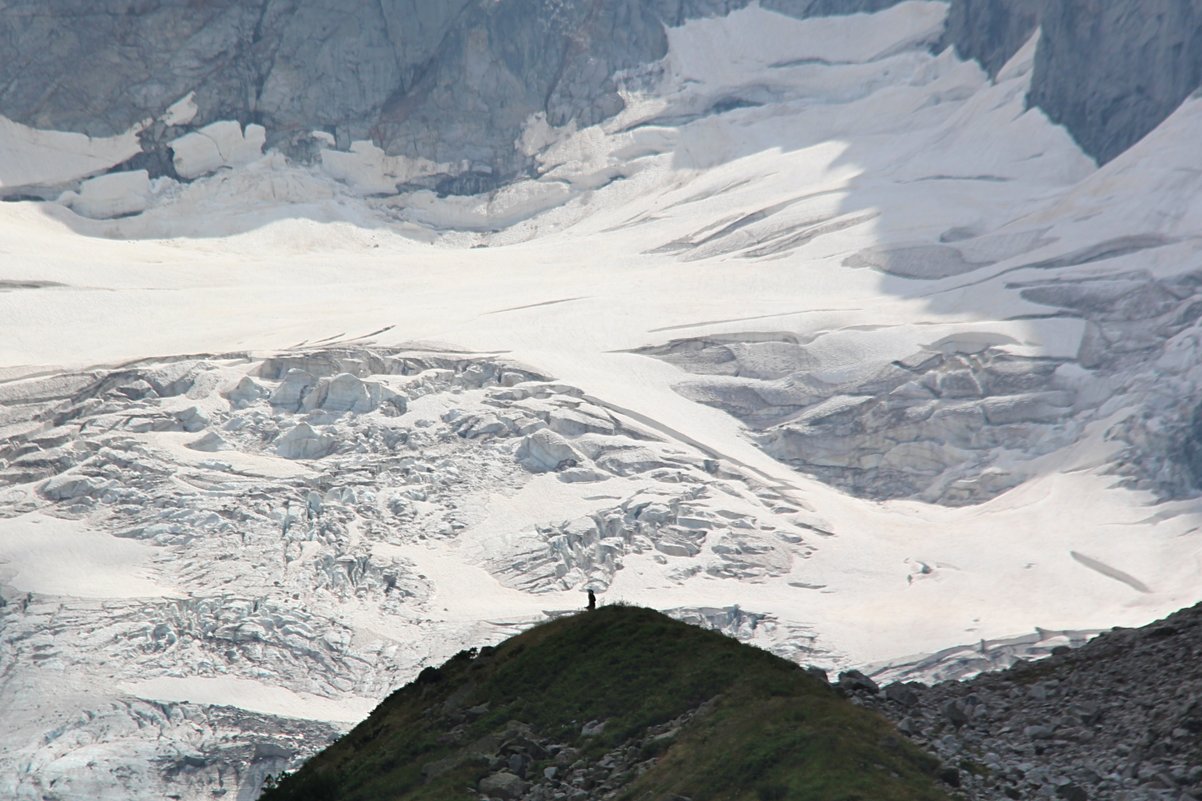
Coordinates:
825 340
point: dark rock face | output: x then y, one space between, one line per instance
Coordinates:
990 31
1108 72
1191 449
452 81
1111 72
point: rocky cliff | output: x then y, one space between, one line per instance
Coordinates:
450 82
1109 72
453 83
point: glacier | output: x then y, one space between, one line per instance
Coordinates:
826 340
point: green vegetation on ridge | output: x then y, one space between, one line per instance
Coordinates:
746 725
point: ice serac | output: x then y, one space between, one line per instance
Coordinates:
245 619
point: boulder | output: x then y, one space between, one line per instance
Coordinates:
955 714
950 775
854 681
817 673
517 764
901 693
502 785
593 728
1039 731
1072 792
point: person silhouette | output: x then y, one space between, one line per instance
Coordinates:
592 601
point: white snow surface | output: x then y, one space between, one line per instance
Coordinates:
52 556
253 696
854 224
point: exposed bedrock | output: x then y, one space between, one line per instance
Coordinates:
1109 72
449 81
453 83
990 31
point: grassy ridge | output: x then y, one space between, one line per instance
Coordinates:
767 730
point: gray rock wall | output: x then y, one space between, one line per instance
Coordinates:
448 80
991 31
453 81
1110 72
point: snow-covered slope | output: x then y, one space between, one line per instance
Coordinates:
825 340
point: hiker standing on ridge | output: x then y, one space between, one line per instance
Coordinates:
592 601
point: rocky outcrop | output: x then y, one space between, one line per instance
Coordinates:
1120 717
573 775
990 31
1109 72
450 83
453 83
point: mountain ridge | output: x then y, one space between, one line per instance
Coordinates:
453 85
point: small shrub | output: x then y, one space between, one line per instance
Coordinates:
429 675
771 792
312 786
